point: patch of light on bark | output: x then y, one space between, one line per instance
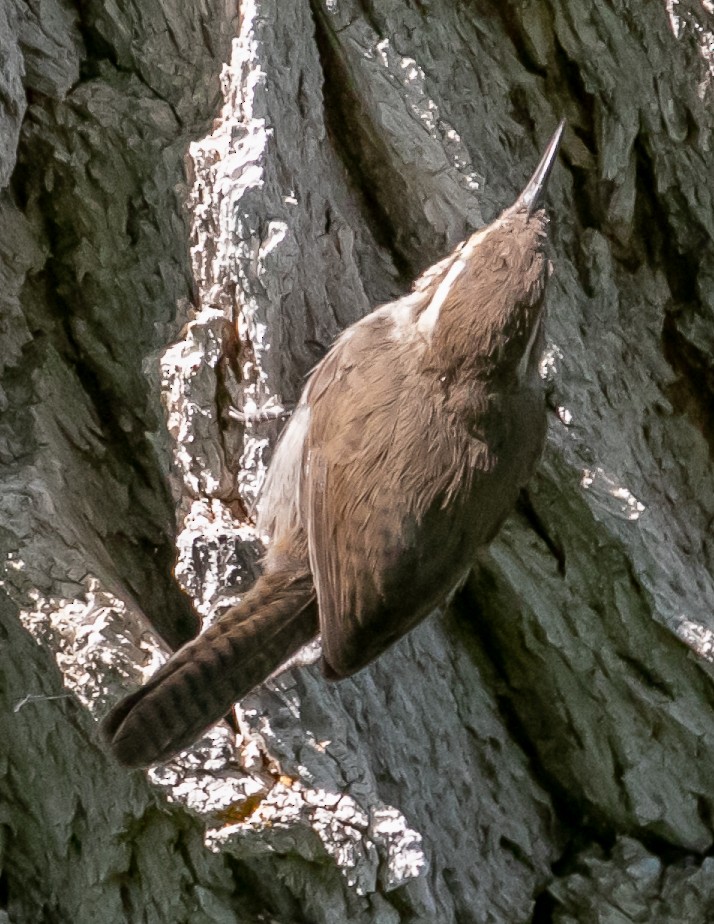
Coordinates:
229 250
706 44
251 808
14 562
187 418
564 415
309 654
549 366
372 849
410 76
98 643
549 369
695 636
705 37
277 230
403 846
220 581
674 20
611 496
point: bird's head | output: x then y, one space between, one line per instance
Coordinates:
486 305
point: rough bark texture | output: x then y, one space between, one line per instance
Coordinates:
545 750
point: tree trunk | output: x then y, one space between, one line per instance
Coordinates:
544 750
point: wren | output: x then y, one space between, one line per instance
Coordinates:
406 452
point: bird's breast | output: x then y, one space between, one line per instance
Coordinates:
501 438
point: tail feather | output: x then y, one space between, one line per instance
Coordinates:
198 685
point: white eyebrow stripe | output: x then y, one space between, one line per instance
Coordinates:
428 318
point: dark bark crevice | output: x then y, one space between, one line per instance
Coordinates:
361 150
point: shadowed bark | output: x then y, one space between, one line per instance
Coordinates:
193 204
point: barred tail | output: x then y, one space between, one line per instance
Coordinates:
198 685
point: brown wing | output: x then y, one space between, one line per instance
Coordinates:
384 545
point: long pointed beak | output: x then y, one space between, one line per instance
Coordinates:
532 196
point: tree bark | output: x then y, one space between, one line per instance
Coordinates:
193 204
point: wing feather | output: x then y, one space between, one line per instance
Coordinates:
381 542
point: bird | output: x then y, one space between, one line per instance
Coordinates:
407 450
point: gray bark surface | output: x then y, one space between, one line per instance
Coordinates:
193 204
